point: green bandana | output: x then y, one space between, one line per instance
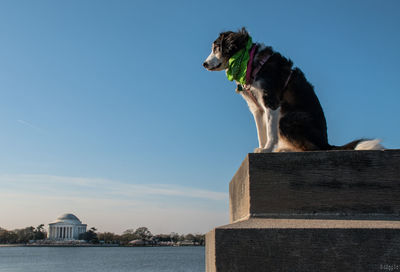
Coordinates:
238 64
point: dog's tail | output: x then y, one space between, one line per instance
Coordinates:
361 144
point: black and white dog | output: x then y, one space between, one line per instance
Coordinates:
286 110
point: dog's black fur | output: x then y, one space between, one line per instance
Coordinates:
302 123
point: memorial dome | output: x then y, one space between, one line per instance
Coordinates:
68 218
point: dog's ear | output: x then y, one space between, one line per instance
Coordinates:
243 37
243 31
232 42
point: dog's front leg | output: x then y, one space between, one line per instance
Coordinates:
258 115
271 120
261 128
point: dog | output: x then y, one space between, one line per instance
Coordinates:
286 110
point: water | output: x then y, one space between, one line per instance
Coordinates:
101 259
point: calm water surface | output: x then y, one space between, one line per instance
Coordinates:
101 259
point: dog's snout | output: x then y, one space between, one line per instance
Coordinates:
205 64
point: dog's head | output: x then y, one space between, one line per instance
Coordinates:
224 47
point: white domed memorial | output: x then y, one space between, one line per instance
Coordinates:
66 227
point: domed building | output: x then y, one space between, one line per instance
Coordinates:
66 227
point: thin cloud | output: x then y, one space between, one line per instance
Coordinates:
109 188
30 125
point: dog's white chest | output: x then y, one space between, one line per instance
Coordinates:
254 99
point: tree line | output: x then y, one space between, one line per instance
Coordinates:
144 234
23 236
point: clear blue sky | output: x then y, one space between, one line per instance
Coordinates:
107 112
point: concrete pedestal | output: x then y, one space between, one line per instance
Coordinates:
311 211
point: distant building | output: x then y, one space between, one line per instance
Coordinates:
66 227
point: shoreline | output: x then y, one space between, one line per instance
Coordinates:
88 245
55 245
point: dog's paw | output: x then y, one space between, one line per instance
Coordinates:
261 150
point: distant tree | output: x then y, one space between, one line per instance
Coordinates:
181 238
200 239
24 235
189 237
12 237
8 237
4 236
108 237
129 231
39 232
90 236
143 233
174 237
162 238
128 236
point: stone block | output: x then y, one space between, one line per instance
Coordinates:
317 185
260 244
